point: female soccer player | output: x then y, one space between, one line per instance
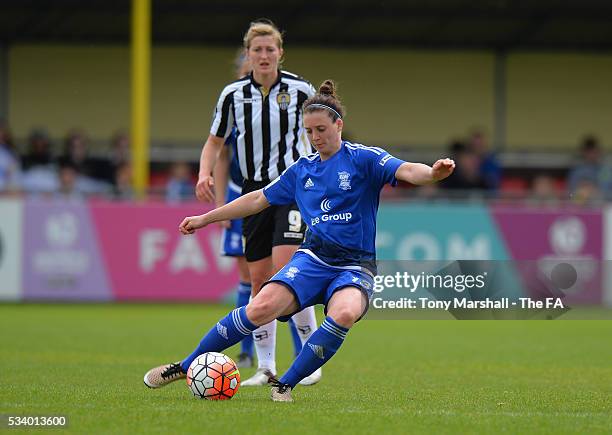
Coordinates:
264 108
337 190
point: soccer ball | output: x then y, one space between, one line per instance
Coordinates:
213 376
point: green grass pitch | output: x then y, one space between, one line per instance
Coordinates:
87 362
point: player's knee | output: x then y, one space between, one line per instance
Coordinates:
344 316
260 311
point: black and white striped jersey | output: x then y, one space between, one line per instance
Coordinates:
269 128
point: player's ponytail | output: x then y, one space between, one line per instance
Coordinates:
326 100
328 87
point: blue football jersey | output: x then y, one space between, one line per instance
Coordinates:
338 199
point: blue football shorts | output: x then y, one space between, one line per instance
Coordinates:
314 282
231 239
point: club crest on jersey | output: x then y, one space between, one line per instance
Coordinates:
291 272
283 99
344 180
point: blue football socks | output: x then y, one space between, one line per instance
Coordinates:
244 293
319 348
227 332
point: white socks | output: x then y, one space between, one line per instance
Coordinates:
264 338
305 323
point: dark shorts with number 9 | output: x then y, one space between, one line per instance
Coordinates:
275 226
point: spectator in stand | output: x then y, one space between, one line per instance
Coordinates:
39 150
122 185
76 152
543 190
180 185
120 149
591 177
10 168
117 156
489 168
91 178
39 168
467 175
68 179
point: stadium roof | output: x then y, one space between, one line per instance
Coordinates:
497 24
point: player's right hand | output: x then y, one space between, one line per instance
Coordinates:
191 223
205 188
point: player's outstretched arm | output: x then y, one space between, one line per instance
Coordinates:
208 159
246 205
420 174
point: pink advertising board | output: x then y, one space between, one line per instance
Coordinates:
146 258
540 239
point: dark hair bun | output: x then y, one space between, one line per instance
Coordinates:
328 88
325 97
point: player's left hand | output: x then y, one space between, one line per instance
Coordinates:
442 169
191 223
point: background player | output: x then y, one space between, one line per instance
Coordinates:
228 186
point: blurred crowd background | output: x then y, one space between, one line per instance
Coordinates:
517 93
71 169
